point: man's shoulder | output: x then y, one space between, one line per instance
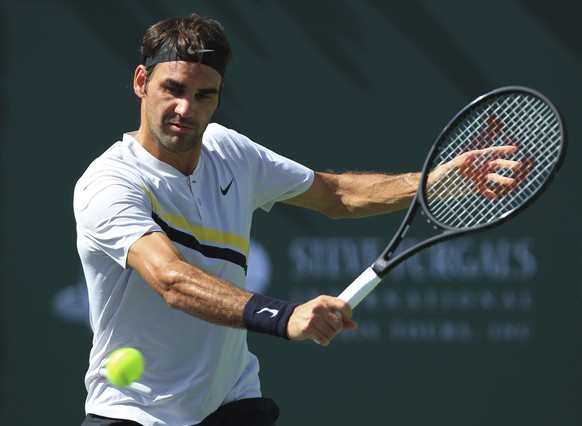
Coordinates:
117 160
221 139
217 133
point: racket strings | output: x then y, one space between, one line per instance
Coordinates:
466 196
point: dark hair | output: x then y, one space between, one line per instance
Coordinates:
184 35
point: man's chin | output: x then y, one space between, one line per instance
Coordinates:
178 143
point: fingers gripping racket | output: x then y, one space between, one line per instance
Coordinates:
478 191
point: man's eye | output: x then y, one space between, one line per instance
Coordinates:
175 90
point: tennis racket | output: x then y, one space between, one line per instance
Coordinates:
466 199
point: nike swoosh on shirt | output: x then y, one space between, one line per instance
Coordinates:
273 312
224 191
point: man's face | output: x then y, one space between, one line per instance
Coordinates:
178 102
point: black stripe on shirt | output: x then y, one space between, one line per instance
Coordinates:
190 241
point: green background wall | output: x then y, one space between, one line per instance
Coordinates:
481 331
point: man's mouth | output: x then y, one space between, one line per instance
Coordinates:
180 127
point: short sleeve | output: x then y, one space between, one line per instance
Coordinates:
112 212
272 176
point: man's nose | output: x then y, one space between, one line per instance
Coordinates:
185 107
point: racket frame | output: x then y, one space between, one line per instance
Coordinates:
374 274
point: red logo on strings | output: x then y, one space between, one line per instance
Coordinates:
480 168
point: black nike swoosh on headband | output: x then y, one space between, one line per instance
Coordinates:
190 241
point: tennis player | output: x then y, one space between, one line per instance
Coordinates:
163 223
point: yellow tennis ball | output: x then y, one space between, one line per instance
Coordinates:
124 366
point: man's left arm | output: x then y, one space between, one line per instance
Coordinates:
354 194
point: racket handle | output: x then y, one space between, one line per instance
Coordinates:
360 287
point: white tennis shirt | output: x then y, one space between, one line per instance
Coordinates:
192 366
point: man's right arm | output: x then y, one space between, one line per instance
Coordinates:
205 296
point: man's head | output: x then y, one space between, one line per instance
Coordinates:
179 82
192 38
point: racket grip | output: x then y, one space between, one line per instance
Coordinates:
360 287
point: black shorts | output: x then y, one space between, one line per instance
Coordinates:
244 412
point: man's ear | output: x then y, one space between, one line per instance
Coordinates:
139 81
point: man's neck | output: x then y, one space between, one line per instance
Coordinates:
184 162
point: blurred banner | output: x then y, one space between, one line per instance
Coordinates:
483 330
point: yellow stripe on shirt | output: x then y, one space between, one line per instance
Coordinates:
201 233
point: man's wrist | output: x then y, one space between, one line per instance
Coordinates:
268 315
